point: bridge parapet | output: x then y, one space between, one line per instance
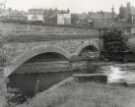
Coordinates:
17 29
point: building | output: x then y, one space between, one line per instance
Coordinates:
127 13
36 15
13 15
93 19
102 19
132 15
50 16
81 19
64 18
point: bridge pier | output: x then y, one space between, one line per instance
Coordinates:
3 89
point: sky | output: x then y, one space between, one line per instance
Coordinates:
76 6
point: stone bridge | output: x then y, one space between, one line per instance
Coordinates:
21 42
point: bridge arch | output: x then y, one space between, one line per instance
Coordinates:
32 53
85 45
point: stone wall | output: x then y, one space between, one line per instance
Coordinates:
72 47
3 89
8 29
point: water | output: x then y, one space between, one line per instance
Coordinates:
121 73
30 84
27 85
116 75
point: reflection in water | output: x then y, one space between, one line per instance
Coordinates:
28 85
38 74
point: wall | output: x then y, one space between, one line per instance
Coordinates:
35 17
64 19
3 88
18 29
14 50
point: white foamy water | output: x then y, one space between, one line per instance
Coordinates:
116 75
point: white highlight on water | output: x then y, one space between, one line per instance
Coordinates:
116 75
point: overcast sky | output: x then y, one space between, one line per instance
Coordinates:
73 5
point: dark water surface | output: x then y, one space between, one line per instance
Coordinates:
28 85
34 77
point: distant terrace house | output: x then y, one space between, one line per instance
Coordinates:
127 13
13 15
81 19
102 19
50 16
133 15
132 30
64 18
36 15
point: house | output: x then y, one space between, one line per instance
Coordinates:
36 15
80 19
102 19
94 19
132 15
127 13
50 16
64 18
13 15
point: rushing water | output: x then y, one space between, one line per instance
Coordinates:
116 75
121 73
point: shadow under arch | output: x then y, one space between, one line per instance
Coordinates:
82 47
31 53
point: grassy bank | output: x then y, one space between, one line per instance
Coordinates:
88 94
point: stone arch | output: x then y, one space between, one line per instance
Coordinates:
84 46
31 53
